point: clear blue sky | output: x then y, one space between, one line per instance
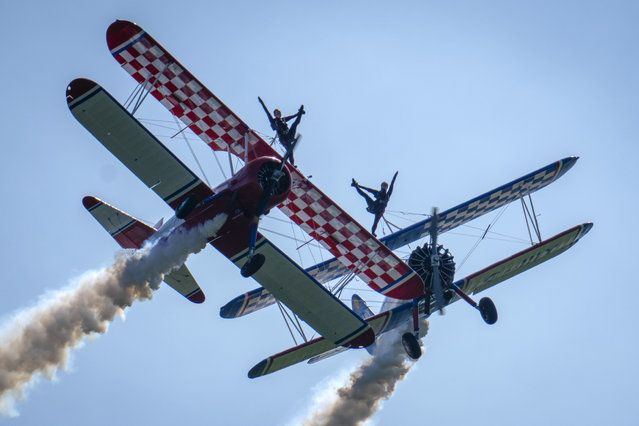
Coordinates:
459 96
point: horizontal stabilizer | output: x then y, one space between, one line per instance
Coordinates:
130 233
248 302
360 307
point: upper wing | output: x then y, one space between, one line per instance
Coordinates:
130 233
182 94
483 204
461 214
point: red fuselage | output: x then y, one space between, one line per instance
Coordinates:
239 197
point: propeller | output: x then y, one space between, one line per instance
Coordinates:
255 261
435 261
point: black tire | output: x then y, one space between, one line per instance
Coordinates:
186 207
411 346
253 265
488 310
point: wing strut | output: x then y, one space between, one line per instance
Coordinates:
293 321
530 214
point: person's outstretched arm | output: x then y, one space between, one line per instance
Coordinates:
270 117
390 189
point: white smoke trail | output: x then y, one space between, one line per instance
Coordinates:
38 341
373 382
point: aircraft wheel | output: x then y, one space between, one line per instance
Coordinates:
186 206
411 345
253 265
488 310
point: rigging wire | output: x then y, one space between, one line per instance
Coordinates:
461 264
193 152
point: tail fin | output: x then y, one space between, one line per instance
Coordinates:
360 307
130 233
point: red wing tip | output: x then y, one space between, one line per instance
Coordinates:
363 340
119 32
90 202
197 297
79 87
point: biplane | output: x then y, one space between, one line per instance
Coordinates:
422 284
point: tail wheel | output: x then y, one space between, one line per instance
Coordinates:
487 310
411 346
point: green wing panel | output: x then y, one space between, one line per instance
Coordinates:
523 260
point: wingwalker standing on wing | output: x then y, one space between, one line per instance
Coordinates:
378 205
286 135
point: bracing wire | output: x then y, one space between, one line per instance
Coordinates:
497 217
193 152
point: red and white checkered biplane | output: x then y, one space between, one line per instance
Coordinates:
267 180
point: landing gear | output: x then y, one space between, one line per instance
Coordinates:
252 265
274 181
186 207
411 346
487 310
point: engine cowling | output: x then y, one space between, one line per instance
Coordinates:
256 177
420 262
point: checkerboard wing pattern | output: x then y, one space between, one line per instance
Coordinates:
181 93
483 204
498 198
348 241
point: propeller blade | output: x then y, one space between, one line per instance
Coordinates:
436 282
434 222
